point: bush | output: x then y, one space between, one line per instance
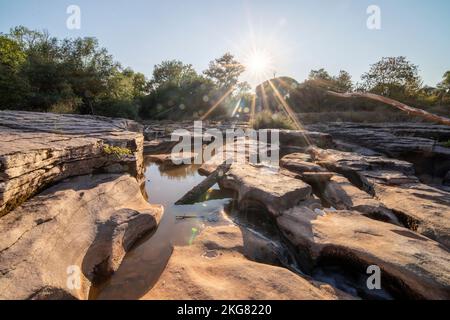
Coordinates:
118 152
117 109
446 144
267 120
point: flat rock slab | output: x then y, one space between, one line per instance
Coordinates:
39 149
420 207
173 159
343 195
301 138
216 267
299 163
416 142
411 264
76 232
277 192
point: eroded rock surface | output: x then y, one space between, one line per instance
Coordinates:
216 267
276 192
420 207
414 142
39 149
75 233
412 265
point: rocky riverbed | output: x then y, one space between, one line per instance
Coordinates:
76 221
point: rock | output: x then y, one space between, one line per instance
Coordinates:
421 208
316 178
159 146
239 152
84 224
216 267
39 149
193 195
301 138
299 163
414 142
447 179
342 195
173 160
276 192
412 265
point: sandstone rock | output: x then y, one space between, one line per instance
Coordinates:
447 179
412 265
242 151
299 163
174 159
302 138
422 208
39 149
86 223
414 142
276 192
158 146
216 267
342 195
316 178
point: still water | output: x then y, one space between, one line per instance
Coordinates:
179 226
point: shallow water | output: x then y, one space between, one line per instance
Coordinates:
179 226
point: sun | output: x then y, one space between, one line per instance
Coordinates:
258 63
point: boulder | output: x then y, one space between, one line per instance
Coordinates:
216 267
447 179
159 146
301 138
40 149
342 195
420 207
266 186
173 159
74 234
412 266
414 142
299 163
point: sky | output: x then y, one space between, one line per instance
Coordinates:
294 35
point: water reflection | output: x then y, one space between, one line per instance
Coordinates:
142 267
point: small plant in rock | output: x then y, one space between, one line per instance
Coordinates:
118 152
446 144
267 120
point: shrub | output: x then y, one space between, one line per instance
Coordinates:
267 120
116 151
117 109
446 144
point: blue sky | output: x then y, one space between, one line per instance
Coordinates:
299 35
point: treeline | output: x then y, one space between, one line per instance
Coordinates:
393 77
39 72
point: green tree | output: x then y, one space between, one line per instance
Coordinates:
343 82
395 77
11 53
172 72
225 71
319 75
13 88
